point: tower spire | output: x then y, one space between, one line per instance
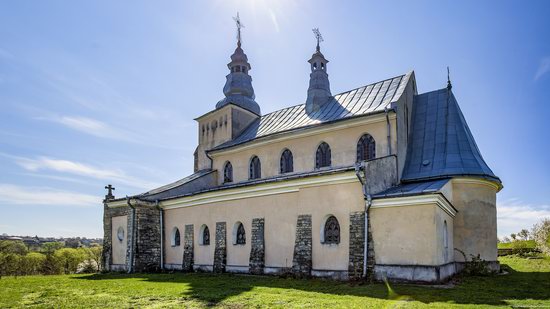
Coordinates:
239 26
318 93
238 85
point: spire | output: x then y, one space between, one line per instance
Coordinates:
318 93
238 86
449 85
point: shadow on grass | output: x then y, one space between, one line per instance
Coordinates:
211 289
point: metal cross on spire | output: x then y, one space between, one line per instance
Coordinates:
318 36
239 26
449 85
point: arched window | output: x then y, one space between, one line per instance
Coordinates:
331 232
322 157
228 172
204 237
287 164
239 235
175 237
366 148
255 168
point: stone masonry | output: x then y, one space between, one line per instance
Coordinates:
220 251
302 260
370 253
147 239
257 248
356 244
108 213
188 252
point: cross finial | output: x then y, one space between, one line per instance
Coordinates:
110 190
318 36
449 85
239 26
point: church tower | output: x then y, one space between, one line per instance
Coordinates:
233 113
318 93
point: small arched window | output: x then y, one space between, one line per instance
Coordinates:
228 172
239 235
323 156
287 162
255 168
176 237
331 232
366 148
204 237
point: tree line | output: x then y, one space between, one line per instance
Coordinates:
49 259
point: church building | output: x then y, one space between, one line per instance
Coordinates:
376 182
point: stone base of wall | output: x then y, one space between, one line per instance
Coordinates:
203 268
239 269
173 266
415 273
494 266
117 267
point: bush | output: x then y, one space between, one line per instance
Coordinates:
69 259
32 263
541 234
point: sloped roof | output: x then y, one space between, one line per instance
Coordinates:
368 99
415 188
440 142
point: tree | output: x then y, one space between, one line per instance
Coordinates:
51 247
94 255
505 239
541 235
69 259
33 263
524 234
514 236
15 247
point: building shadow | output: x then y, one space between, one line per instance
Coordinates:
211 289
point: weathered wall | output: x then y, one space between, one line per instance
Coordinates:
342 140
220 126
280 212
147 243
405 235
119 246
475 225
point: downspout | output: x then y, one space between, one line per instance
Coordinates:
209 158
368 203
388 126
133 220
161 216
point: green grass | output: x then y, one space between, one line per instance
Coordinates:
526 285
519 244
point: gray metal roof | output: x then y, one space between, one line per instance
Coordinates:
357 102
415 188
440 142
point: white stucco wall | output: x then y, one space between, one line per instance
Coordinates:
119 246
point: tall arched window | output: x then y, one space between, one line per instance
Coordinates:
239 235
366 148
204 237
255 168
228 172
331 232
175 237
322 157
287 162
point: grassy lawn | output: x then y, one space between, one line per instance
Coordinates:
526 285
518 244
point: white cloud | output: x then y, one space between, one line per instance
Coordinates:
544 67
514 215
18 195
93 127
80 169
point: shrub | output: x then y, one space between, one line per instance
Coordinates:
69 259
541 234
32 263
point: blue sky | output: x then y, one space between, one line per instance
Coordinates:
97 92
